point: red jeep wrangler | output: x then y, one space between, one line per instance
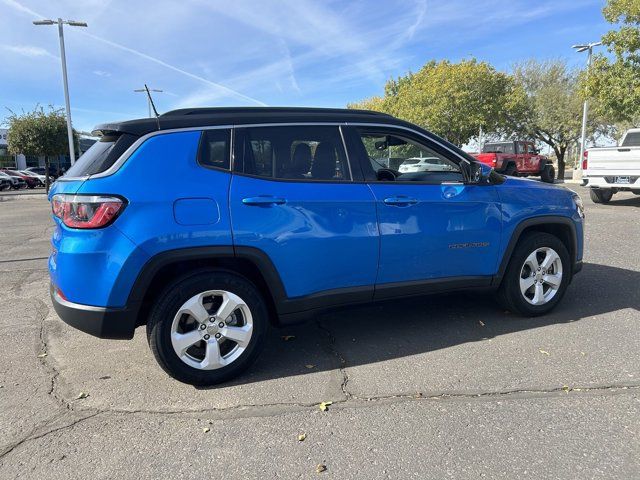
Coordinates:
518 158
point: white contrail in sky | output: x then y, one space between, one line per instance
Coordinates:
17 6
175 69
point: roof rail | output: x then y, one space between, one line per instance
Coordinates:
239 110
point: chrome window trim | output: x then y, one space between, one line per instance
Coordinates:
127 153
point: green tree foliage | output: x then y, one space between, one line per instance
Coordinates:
39 132
615 82
550 106
453 100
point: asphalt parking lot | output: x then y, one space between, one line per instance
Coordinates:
443 387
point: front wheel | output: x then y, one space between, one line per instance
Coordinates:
206 328
548 174
600 195
537 276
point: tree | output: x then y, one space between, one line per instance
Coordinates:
615 82
453 100
550 107
38 133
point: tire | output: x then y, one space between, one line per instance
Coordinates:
512 293
510 170
548 174
600 195
229 358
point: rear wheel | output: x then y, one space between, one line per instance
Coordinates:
510 170
599 195
208 327
537 276
548 173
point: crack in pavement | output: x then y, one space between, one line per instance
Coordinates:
338 355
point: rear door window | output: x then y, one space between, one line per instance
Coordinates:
293 153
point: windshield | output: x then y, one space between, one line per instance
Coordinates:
632 139
499 147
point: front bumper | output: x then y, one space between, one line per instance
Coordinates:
101 322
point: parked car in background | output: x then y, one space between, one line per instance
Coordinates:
30 181
5 183
53 171
296 215
609 170
40 178
518 159
425 164
16 182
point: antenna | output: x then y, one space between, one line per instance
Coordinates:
151 100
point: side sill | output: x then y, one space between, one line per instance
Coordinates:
308 307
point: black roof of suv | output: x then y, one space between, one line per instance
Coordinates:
198 117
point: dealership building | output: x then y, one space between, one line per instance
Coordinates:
20 162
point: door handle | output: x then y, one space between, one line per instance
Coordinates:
263 200
400 200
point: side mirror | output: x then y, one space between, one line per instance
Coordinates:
471 172
386 175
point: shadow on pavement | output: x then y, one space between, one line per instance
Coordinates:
629 202
379 332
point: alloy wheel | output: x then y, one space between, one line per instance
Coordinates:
211 329
541 276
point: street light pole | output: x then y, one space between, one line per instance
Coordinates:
585 107
63 58
144 90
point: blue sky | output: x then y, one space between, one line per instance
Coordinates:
265 52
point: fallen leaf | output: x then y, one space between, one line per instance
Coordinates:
310 366
566 388
206 430
481 323
582 353
544 352
418 395
302 437
82 395
286 338
321 468
42 355
324 405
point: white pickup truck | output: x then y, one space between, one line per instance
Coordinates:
610 170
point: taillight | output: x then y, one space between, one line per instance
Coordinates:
585 159
86 211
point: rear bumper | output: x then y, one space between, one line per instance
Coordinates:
101 322
608 182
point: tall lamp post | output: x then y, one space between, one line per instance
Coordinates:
60 23
585 108
143 90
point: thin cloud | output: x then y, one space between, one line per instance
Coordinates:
28 51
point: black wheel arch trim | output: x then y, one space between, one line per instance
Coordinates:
537 221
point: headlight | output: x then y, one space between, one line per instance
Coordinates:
579 205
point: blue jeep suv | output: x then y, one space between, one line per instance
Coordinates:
206 225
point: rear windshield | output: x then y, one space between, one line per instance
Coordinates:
502 147
631 140
101 155
410 162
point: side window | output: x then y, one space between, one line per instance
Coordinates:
522 148
413 160
214 148
294 153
